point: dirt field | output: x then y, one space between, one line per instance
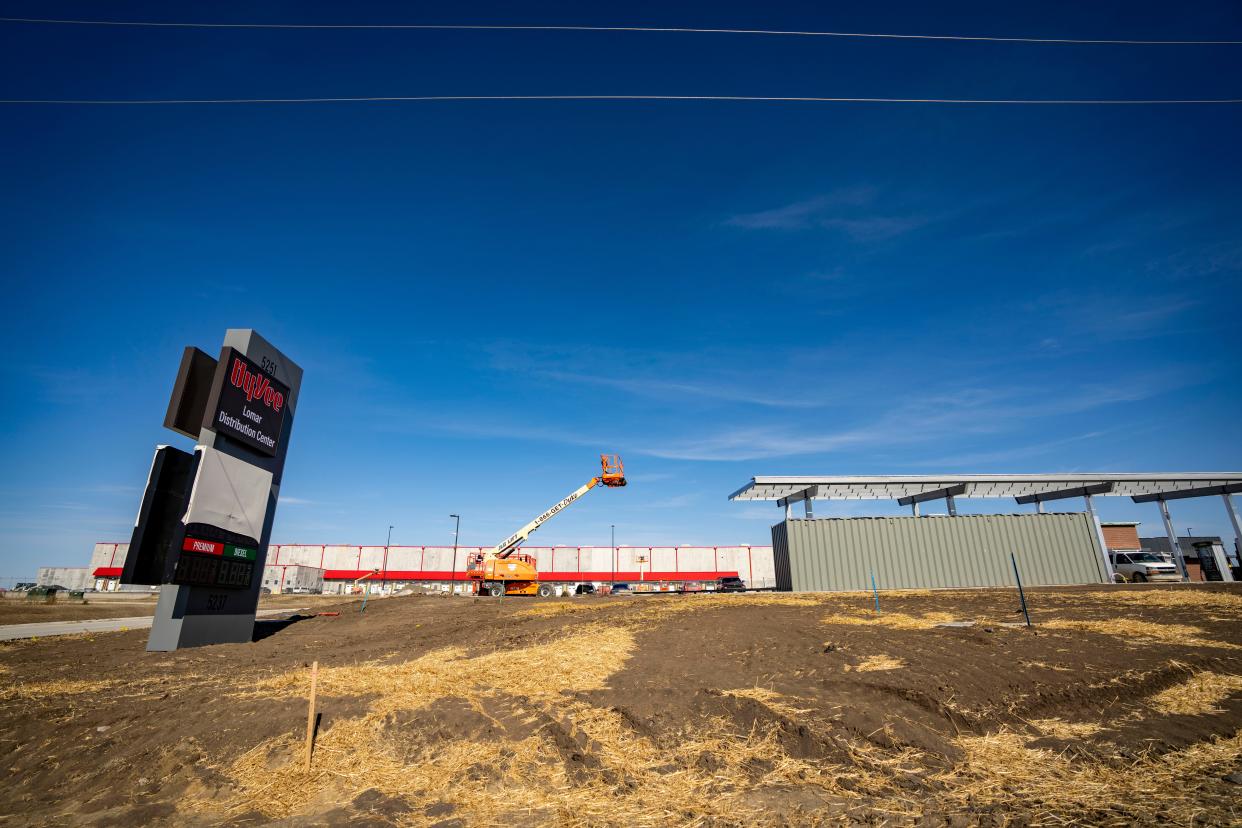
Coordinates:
1124 706
21 611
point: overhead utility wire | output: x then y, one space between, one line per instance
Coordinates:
727 98
657 29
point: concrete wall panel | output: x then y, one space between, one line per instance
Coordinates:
340 557
562 559
405 558
300 555
697 559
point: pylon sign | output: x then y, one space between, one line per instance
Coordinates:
206 517
246 403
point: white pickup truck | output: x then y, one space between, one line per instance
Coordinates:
1137 567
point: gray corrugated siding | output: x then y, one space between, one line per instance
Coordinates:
828 554
780 557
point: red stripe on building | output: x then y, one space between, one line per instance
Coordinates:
108 572
444 575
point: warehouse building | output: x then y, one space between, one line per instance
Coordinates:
433 567
73 578
952 550
281 578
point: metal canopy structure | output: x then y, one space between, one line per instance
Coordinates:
898 487
911 490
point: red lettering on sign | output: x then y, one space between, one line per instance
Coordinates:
203 546
239 373
255 386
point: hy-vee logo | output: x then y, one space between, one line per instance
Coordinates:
256 386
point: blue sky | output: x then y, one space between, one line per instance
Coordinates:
484 296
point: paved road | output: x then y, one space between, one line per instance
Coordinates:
44 628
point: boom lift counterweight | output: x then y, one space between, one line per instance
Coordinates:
502 570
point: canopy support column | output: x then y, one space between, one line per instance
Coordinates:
1099 534
1233 518
1173 544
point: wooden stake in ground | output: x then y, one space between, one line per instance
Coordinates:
310 715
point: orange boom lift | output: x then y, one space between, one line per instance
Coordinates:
502 570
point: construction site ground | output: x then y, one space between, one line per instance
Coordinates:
19 609
1123 706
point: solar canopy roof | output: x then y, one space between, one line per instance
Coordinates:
896 487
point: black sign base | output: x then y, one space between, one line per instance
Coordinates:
176 626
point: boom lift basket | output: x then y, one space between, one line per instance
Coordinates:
613 472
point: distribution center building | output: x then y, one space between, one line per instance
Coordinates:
408 566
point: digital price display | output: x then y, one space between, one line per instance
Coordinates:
214 564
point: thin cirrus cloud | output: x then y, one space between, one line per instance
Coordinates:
875 228
803 214
919 422
676 388
971 412
841 211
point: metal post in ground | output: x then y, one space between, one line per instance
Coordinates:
875 592
1021 594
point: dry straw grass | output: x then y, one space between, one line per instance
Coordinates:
895 620
551 610
877 662
355 754
28 690
634 780
1201 693
577 663
667 606
631 780
1000 769
1142 631
1181 596
772 700
1061 729
583 765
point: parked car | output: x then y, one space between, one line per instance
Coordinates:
1138 567
731 584
621 589
584 589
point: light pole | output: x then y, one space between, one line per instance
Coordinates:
613 583
456 538
384 576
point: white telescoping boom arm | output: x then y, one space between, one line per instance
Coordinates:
507 546
612 474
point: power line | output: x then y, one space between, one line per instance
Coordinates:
611 98
651 29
